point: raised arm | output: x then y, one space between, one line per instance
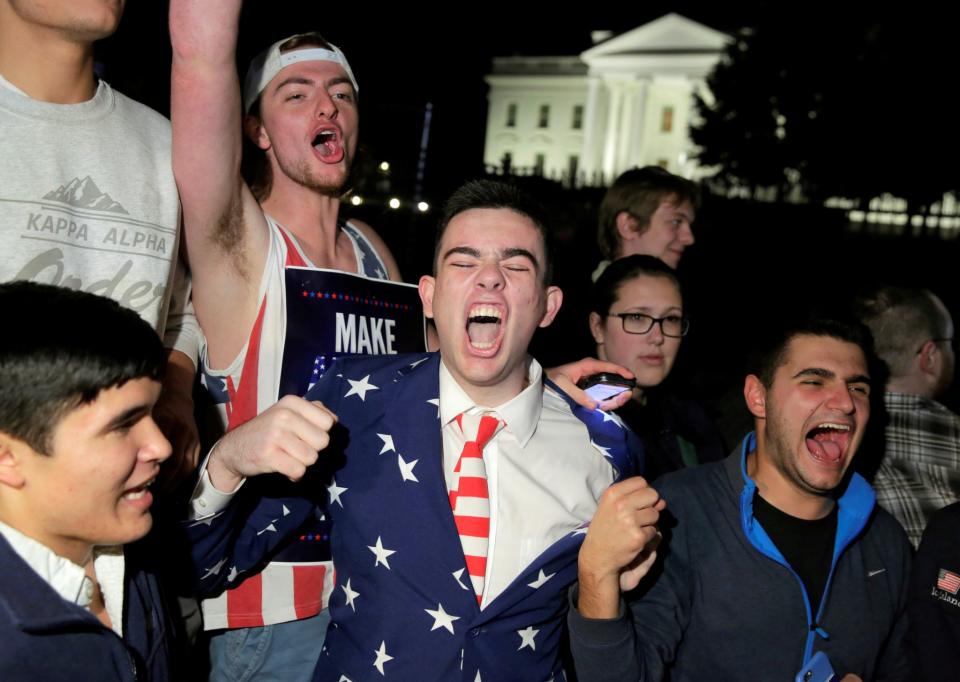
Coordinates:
226 239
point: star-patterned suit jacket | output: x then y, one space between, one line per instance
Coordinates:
403 607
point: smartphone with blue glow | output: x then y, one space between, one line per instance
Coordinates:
605 385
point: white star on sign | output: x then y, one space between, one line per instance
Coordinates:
477 678
387 443
541 579
271 528
335 492
343 678
232 575
436 401
360 388
580 531
285 510
527 638
215 569
442 619
382 657
418 362
351 595
406 469
381 554
458 576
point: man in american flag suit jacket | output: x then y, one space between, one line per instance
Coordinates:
407 605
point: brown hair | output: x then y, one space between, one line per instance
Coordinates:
639 192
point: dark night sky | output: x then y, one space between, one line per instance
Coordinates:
403 59
407 57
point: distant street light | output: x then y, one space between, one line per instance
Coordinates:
393 203
385 166
356 200
423 206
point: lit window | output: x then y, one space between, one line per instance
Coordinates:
577 117
511 115
666 120
544 119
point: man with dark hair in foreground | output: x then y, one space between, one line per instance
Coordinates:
78 452
773 556
462 494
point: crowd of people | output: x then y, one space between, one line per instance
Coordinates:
236 445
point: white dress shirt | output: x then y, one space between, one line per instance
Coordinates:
544 476
68 579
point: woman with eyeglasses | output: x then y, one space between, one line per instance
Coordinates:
637 321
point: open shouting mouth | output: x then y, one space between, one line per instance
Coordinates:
827 442
328 145
485 327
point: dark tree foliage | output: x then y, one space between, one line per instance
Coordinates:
836 105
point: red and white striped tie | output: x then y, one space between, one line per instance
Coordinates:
469 498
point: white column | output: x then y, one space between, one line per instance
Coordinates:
638 126
612 132
589 155
627 132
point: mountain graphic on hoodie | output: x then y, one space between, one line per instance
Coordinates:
85 194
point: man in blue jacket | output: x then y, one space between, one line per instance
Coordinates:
774 555
79 377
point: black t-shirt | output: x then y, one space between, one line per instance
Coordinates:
806 545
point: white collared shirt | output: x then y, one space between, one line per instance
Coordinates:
68 579
544 476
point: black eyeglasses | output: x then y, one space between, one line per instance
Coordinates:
673 326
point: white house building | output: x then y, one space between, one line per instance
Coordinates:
625 102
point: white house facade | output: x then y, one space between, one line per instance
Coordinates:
625 102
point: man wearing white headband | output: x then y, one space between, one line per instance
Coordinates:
299 109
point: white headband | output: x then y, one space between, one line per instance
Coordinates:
271 61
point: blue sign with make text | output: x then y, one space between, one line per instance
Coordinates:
332 313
